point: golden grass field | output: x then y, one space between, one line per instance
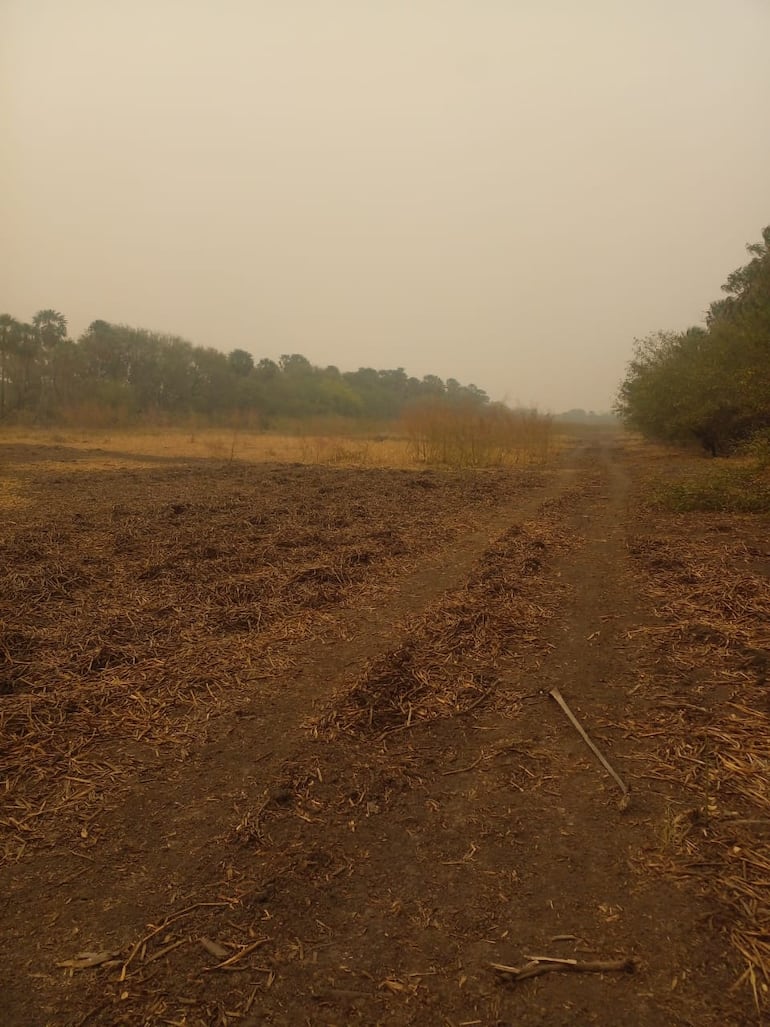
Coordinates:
110 449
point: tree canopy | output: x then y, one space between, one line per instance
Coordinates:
126 372
711 382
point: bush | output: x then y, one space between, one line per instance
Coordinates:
719 489
493 436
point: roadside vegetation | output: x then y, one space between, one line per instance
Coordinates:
698 545
128 381
710 383
741 487
700 548
115 375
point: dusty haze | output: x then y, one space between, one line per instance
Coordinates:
502 191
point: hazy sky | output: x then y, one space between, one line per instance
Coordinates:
501 191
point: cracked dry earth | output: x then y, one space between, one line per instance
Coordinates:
395 808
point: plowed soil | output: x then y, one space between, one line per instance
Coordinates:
279 748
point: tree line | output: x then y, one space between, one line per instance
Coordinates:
710 382
113 372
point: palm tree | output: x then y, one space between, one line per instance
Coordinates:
52 327
28 351
50 331
9 328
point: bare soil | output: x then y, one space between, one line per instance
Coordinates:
279 749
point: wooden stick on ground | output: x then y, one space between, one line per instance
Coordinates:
559 698
544 965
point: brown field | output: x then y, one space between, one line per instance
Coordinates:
277 745
115 449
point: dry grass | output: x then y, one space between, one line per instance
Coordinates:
455 658
137 604
486 437
707 576
105 449
448 662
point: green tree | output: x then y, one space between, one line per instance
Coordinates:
241 363
710 383
295 364
133 371
433 385
9 333
51 326
32 366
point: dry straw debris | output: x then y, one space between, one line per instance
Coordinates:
457 656
135 605
708 578
447 663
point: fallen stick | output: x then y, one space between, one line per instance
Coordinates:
245 951
155 931
545 965
464 770
559 698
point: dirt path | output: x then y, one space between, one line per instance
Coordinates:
370 871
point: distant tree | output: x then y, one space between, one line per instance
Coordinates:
476 394
295 363
394 379
432 384
335 396
212 389
267 369
241 363
51 326
577 414
177 372
105 351
127 371
9 334
33 365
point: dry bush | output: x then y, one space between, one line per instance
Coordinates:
460 436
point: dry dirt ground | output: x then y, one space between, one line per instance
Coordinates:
278 748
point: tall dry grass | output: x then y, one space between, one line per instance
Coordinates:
470 437
437 436
107 448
